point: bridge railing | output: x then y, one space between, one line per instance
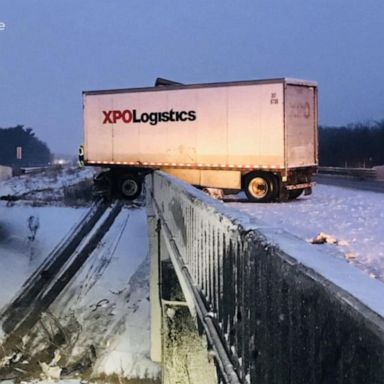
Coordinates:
356 173
284 311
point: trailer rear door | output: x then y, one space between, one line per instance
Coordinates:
300 125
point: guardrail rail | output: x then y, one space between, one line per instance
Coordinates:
356 173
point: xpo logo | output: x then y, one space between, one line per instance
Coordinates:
111 117
132 116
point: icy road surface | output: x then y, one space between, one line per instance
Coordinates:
354 219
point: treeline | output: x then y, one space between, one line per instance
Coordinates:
357 145
19 147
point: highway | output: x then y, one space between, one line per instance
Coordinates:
364 185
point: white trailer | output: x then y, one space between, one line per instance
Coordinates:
259 136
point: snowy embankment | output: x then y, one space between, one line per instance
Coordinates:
109 300
350 223
48 184
102 316
32 226
24 247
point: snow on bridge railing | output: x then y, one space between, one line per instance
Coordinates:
285 311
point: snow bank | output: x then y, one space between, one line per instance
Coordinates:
46 186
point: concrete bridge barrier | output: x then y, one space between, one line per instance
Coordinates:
274 308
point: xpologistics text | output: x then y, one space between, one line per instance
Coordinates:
132 116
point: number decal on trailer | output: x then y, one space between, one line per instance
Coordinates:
274 99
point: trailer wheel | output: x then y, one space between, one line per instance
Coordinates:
130 186
260 187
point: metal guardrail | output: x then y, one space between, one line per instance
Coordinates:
356 173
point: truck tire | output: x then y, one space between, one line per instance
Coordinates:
260 187
130 186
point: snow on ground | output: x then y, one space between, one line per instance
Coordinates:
352 220
30 228
109 297
21 252
49 181
104 311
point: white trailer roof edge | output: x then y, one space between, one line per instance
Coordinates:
288 81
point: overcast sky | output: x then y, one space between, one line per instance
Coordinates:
52 50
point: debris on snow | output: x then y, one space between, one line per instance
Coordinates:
56 358
350 256
171 313
323 238
10 359
215 193
50 372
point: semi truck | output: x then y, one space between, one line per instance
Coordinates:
257 136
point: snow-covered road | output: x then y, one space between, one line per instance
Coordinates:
355 219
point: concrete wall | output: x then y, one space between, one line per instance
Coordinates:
287 312
5 173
